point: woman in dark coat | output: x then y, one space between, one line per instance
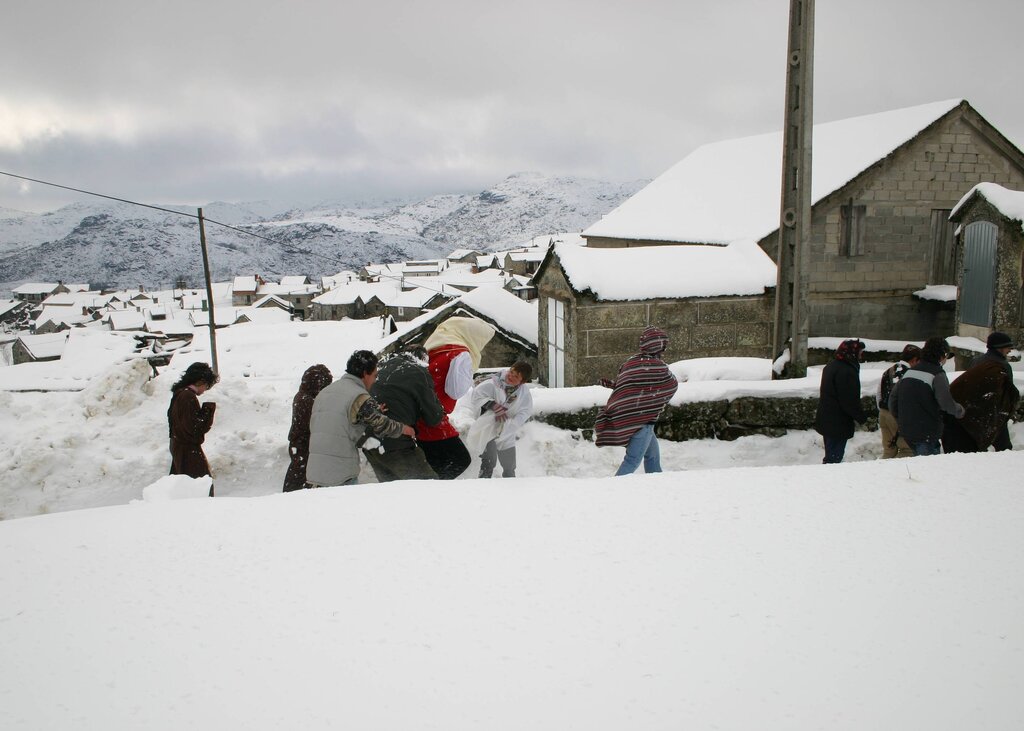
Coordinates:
188 422
839 400
314 380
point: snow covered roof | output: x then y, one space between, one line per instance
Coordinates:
1008 202
36 288
60 315
8 305
508 311
412 298
346 294
531 255
244 284
296 280
45 346
650 272
462 253
272 299
126 320
730 190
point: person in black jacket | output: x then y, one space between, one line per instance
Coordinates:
314 380
404 387
921 397
839 400
989 399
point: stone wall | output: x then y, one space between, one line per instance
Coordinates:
727 420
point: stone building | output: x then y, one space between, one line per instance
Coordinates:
990 257
595 302
883 186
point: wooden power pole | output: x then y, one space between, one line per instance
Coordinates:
795 220
209 294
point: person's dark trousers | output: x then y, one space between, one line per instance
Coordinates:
926 449
955 438
400 464
835 449
492 454
448 457
1002 441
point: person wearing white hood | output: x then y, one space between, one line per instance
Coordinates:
504 404
454 350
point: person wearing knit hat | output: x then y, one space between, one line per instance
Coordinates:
640 392
989 397
839 400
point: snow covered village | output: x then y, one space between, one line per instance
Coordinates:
558 454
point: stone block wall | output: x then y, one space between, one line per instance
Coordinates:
601 335
870 293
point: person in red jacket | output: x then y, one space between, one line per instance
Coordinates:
453 352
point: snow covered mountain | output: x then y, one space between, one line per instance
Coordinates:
118 244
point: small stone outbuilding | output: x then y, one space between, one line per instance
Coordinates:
990 246
595 302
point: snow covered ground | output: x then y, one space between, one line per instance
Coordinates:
780 594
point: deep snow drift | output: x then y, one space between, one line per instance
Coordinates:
871 594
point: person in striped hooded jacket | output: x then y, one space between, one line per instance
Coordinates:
639 394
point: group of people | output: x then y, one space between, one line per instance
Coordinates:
395 412
919 412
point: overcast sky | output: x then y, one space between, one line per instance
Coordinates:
191 102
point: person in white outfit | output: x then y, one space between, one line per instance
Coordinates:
504 404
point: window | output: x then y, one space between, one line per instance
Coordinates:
556 343
942 249
851 234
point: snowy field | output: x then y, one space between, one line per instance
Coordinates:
778 594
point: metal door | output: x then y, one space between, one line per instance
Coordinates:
978 291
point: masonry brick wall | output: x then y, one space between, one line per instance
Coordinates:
870 294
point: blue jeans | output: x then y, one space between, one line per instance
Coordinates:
835 450
926 449
642 446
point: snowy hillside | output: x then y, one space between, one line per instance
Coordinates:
120 245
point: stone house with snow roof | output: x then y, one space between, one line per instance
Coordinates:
883 186
595 302
989 224
36 292
38 348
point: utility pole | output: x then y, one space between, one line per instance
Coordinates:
209 293
795 220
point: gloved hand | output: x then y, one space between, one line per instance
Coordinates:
500 412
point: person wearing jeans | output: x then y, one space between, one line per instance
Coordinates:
640 392
642 446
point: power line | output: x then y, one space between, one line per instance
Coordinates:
144 205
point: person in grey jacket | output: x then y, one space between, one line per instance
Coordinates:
921 397
343 414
